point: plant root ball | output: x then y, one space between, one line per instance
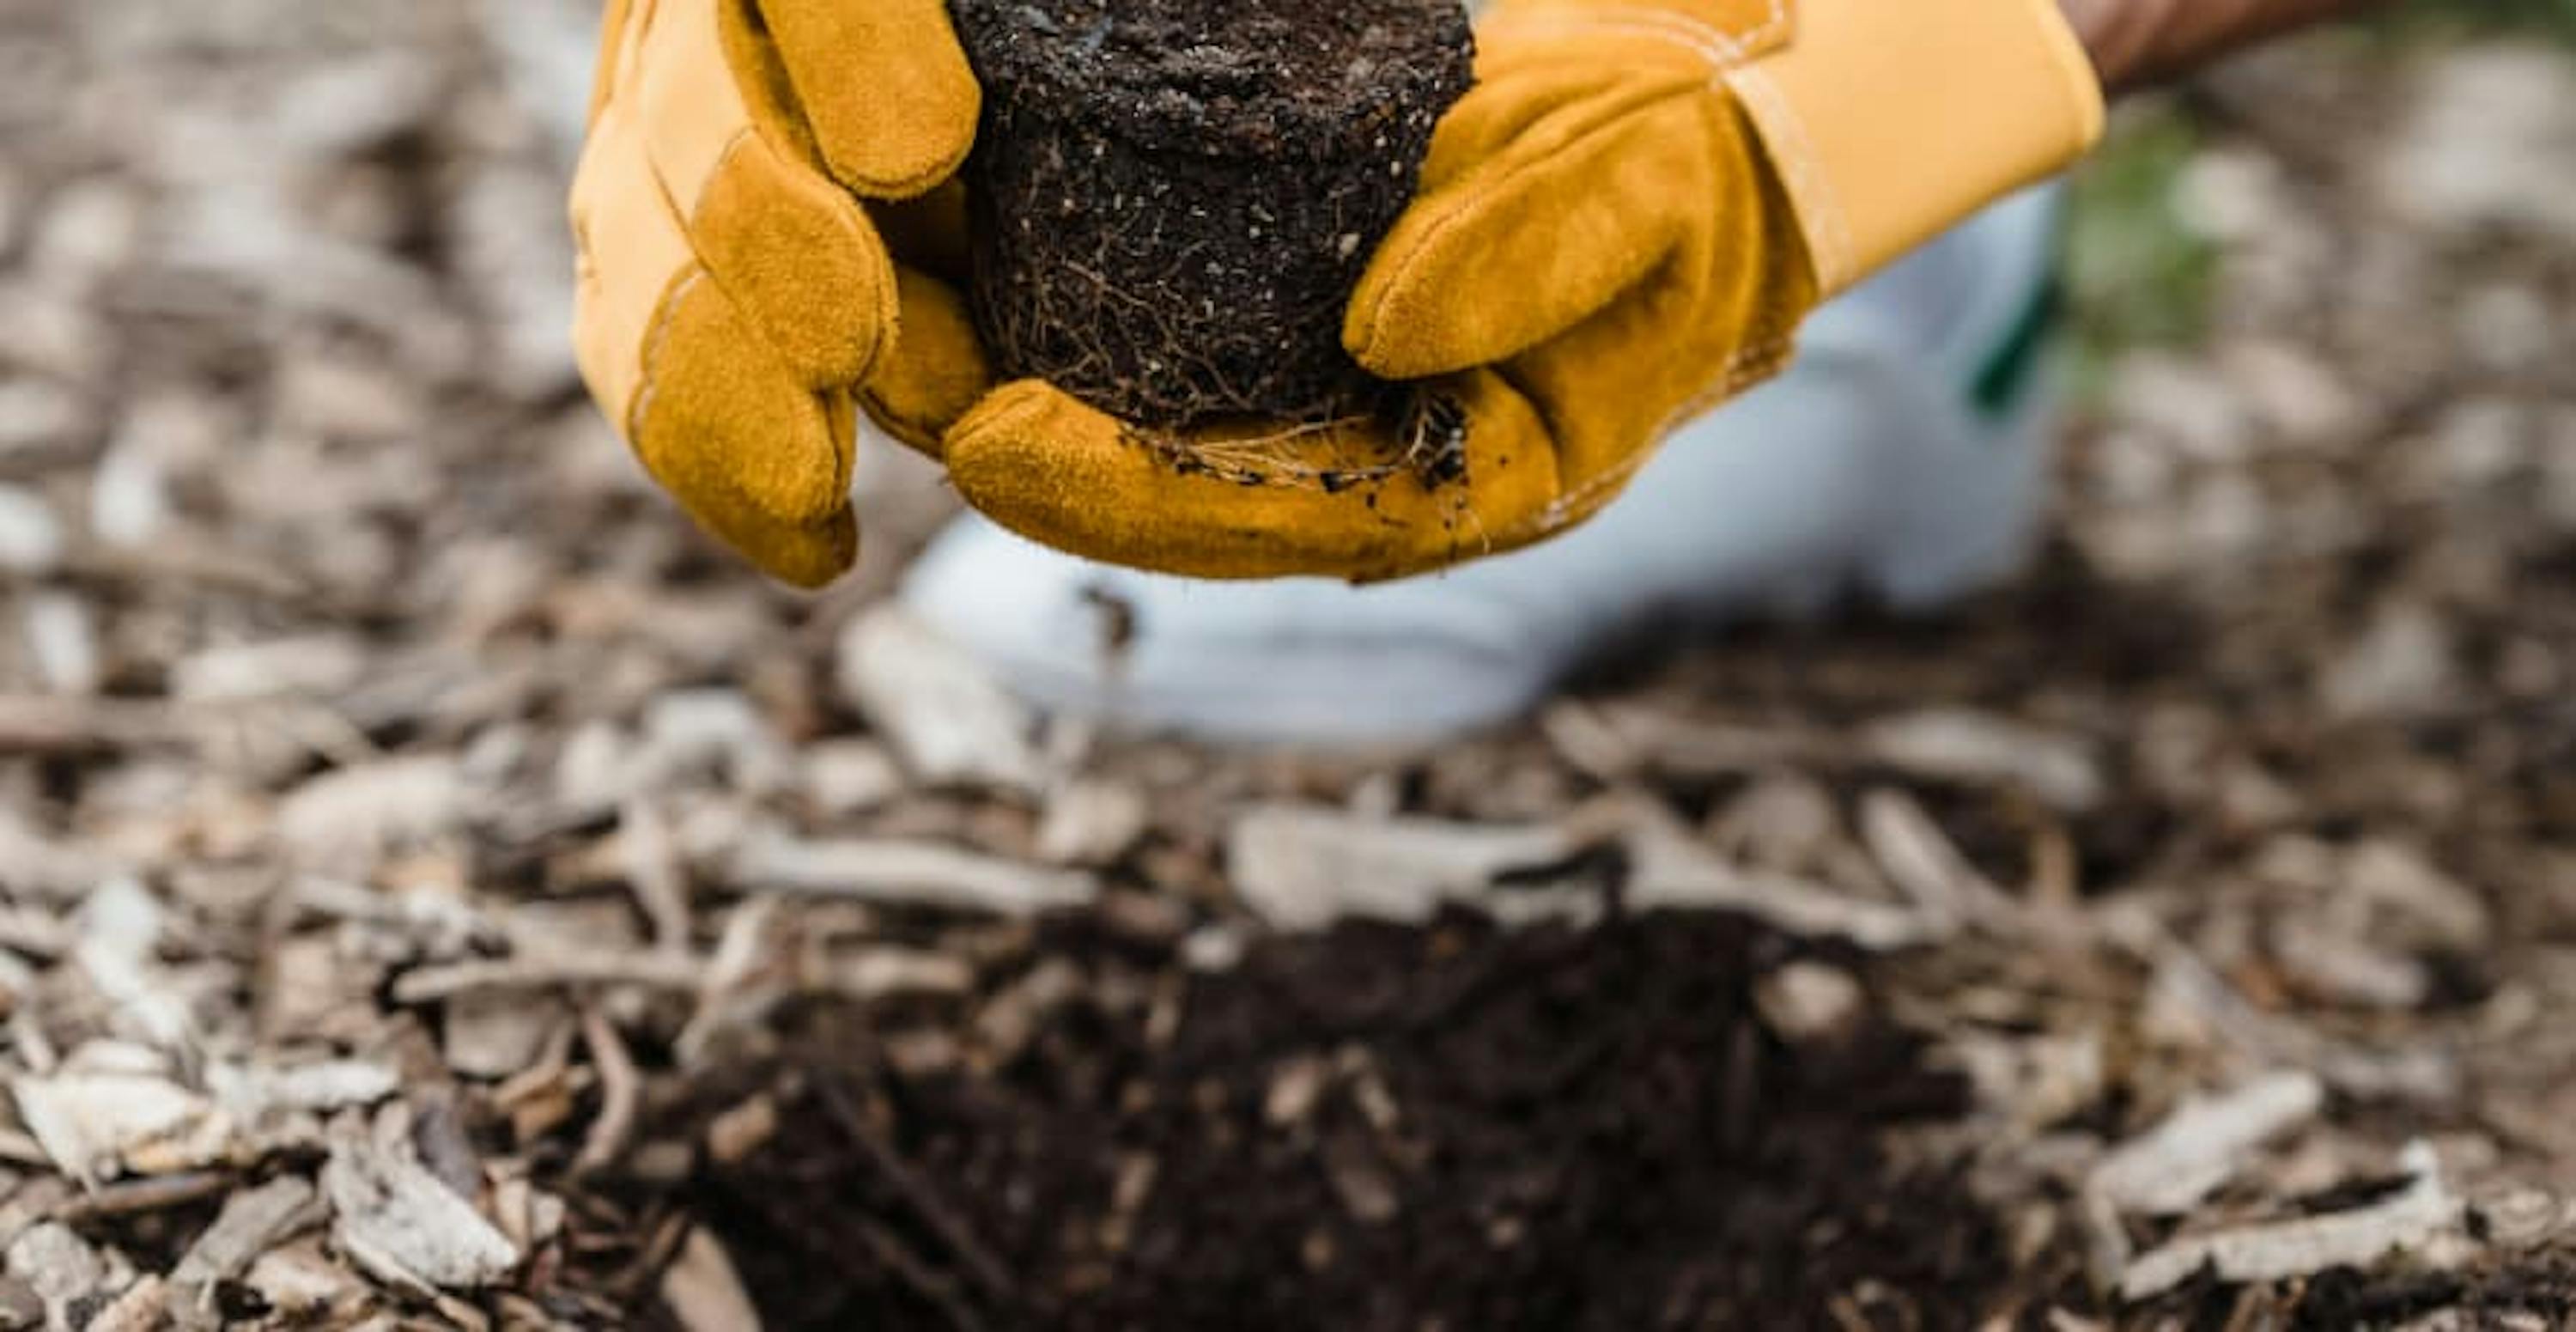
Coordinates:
1172 199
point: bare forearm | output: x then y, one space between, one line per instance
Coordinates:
2139 41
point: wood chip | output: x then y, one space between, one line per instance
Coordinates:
2035 1081
495 1032
248 1092
31 536
621 1092
890 973
1927 866
549 970
1808 1001
733 1136
1983 749
37 865
2408 1222
399 1223
1301 868
142 1307
1360 1181
1295 1088
355 814
34 933
120 928
252 1222
846 777
948 720
60 1265
299 1280
318 664
96 1125
1669 870
2185 982
654 872
51 726
1618 741
62 634
1092 823
718 730
908 873
2326 960
2203 1144
2440 910
1010 1019
704 1292
137 1197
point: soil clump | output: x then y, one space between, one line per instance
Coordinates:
1172 199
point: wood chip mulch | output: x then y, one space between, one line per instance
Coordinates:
438 891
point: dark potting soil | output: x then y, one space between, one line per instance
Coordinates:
1381 1128
1172 199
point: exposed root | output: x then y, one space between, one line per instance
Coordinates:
1429 431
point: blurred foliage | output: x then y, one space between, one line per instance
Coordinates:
2135 274
2417 19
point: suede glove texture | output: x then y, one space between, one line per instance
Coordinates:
751 170
1621 226
1599 248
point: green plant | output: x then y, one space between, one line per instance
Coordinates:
2135 273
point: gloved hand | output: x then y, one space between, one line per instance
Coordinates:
1622 225
736 295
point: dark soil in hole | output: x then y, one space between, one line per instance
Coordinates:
1382 1128
1174 198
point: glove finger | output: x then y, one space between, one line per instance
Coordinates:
797 255
1256 502
751 451
628 251
1605 423
756 456
1570 187
885 86
612 52
936 370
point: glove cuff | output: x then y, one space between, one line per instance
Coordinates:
1892 122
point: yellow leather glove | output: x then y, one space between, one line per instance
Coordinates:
1620 226
736 293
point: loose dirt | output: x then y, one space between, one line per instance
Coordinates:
1379 1128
